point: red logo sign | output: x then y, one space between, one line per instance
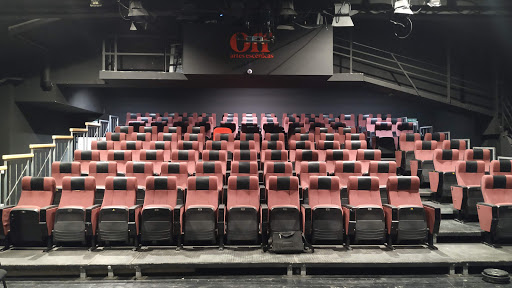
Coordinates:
253 47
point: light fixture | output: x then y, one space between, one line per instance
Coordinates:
403 7
96 3
133 27
342 15
434 3
138 15
287 15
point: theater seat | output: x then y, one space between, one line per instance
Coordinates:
140 171
455 144
344 131
212 168
165 146
162 210
353 146
406 143
443 176
170 137
144 138
325 224
116 138
121 157
324 146
30 222
63 169
118 219
283 216
365 156
407 219
153 156
299 145
309 169
385 139
191 157
495 212
501 167
467 192
364 215
304 156
220 156
423 162
274 156
152 130
331 156
100 171
103 147
178 170
438 137
344 170
76 218
275 169
243 210
134 147
382 170
256 137
85 157
479 154
203 220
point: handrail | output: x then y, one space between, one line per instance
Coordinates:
3 168
17 156
41 146
92 124
62 137
78 130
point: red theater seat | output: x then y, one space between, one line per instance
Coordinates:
353 146
331 156
456 144
404 128
153 156
304 156
299 145
152 130
309 169
344 131
116 138
140 171
131 117
203 220
63 169
274 156
344 170
324 146
217 155
199 138
178 170
103 147
423 162
173 138
406 217
365 156
467 192
479 155
501 167
256 137
438 137
406 144
243 210
101 170
85 157
121 157
164 146
494 213
348 119
134 147
127 130
217 145
364 215
444 175
31 221
325 224
162 210
187 156
276 169
76 218
118 219
214 169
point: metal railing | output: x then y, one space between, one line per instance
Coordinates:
414 76
3 184
80 139
113 122
44 155
63 148
18 166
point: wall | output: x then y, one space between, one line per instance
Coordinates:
332 99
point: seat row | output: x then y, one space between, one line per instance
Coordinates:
204 215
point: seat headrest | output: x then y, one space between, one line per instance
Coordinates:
382 167
363 183
355 145
276 154
103 167
324 183
38 184
497 182
78 183
161 183
368 154
121 183
446 155
139 167
208 167
348 167
470 167
283 183
478 154
244 167
403 183
202 183
120 155
152 155
405 126
425 145
243 183
411 137
68 167
383 126
174 167
307 155
340 155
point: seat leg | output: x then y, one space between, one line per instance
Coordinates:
347 243
431 241
49 244
179 244
3 282
389 242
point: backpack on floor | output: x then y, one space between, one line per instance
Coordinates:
288 242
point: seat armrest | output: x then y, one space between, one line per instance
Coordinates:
133 219
482 204
91 219
177 218
307 218
47 218
348 206
433 218
264 223
89 211
391 214
221 227
181 196
349 216
45 211
305 196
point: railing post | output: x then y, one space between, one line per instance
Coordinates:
63 148
43 159
351 43
78 133
3 184
18 166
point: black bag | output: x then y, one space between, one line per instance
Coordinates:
287 242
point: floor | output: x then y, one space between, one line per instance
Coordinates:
442 281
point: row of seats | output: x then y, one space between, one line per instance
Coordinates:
205 215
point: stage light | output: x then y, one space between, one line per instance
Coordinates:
96 3
133 27
434 3
138 15
403 7
342 15
287 15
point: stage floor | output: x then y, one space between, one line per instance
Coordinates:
454 258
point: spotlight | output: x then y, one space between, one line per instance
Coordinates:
342 15
96 3
403 7
434 3
287 14
138 15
